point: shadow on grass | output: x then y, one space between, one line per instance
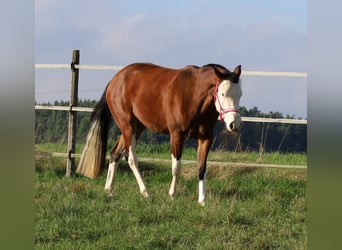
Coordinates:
145 168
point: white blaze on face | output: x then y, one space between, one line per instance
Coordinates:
228 97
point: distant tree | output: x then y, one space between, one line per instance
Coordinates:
51 126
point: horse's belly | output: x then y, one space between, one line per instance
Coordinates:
153 121
158 129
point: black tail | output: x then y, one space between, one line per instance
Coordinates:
94 153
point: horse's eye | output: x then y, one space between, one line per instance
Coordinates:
222 94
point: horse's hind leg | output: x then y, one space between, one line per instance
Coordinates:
115 157
133 163
130 137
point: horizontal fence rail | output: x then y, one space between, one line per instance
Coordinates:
75 66
273 120
243 118
64 108
115 68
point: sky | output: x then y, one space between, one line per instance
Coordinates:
265 35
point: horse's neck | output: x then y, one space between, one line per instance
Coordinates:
204 96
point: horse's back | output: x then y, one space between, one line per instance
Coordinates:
149 79
160 98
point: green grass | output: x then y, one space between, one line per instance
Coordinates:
246 208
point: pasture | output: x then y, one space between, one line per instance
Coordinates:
246 208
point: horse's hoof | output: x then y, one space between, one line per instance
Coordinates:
109 192
201 203
145 193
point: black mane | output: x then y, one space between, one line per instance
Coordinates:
222 72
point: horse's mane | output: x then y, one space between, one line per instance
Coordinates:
222 72
219 69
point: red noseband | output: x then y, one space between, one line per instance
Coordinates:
223 110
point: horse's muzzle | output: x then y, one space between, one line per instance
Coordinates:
233 122
233 127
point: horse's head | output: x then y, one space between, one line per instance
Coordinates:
227 97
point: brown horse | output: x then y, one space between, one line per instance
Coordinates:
180 102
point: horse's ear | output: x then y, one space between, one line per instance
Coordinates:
237 70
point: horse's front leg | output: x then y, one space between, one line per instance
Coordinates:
176 168
176 150
202 153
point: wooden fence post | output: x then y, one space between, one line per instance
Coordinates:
72 114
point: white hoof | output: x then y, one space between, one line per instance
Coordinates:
145 193
109 192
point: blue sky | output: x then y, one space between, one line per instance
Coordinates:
259 35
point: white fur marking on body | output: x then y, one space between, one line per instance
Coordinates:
133 163
201 191
228 95
109 186
175 175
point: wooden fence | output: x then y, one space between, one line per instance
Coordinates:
75 66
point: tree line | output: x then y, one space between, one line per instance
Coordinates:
52 127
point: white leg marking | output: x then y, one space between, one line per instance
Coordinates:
133 163
175 175
109 186
201 191
110 178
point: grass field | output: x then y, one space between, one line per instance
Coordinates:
246 208
162 151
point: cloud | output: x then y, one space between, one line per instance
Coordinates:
199 39
260 37
126 34
195 34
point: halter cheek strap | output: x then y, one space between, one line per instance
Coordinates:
222 110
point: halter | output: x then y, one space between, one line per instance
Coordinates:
222 110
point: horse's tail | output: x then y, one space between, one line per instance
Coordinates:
94 153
